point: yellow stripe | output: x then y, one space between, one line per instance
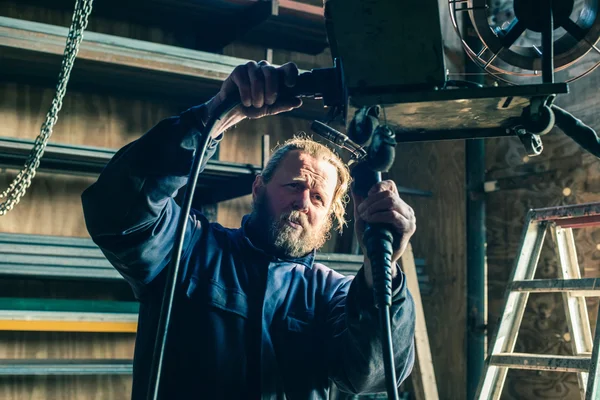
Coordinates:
68 326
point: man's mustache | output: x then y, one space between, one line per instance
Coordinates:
296 217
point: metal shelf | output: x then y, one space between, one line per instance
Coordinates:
59 315
220 180
20 367
32 52
56 257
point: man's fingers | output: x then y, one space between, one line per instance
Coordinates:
392 217
239 77
271 79
290 74
383 186
384 199
385 205
371 199
257 84
285 105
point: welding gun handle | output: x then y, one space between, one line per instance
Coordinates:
325 83
308 84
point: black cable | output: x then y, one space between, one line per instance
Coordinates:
173 271
379 246
584 135
378 241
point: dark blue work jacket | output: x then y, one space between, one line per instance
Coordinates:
245 325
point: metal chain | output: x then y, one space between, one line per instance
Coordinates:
21 183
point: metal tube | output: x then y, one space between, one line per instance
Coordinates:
548 45
476 264
476 271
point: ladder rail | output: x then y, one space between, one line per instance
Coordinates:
575 307
514 307
593 384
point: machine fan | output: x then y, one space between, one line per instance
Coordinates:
514 34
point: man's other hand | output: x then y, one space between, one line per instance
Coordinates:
384 205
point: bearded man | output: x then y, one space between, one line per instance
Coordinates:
255 316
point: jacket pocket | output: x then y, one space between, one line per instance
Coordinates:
300 323
216 295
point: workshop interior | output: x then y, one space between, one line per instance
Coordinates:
483 112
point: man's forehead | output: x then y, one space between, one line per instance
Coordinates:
300 163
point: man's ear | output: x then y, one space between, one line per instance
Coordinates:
258 184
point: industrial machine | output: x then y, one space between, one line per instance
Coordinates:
393 56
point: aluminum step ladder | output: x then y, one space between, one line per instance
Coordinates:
560 221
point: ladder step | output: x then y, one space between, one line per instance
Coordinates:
586 287
541 362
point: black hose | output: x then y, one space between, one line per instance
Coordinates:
173 271
378 242
379 246
584 135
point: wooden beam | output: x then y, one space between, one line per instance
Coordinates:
58 315
117 51
423 375
45 367
305 23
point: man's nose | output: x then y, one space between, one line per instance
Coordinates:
302 201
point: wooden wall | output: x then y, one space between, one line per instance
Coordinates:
440 240
563 174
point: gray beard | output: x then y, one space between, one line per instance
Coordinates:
282 238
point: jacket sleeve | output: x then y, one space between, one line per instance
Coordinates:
355 353
130 211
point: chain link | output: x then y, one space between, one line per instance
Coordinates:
22 181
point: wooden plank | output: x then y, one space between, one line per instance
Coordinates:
542 362
204 24
118 51
65 367
50 315
423 375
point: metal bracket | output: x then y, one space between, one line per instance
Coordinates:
532 142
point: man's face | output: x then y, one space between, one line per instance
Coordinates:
293 209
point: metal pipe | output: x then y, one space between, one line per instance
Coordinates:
476 270
548 45
476 264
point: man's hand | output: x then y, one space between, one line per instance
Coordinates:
384 205
258 86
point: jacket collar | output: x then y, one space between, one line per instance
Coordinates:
306 260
